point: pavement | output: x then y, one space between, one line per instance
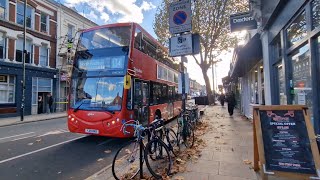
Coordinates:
31 118
228 154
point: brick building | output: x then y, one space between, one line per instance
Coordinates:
41 22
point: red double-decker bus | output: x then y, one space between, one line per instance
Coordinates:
120 73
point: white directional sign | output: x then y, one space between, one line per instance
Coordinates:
180 17
181 45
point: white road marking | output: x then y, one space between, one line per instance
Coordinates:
42 149
105 142
16 135
52 133
23 138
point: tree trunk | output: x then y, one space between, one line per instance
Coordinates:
208 87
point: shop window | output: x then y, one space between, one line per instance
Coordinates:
7 89
19 50
315 13
44 23
281 84
2 46
43 56
301 76
297 29
3 8
20 16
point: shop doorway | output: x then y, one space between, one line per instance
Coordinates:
42 102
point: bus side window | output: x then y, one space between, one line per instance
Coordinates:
164 93
137 94
145 93
137 39
170 93
155 90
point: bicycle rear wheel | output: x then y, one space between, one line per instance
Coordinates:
158 160
125 164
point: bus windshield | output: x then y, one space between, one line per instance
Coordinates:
102 93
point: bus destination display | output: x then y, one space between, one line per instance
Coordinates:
286 143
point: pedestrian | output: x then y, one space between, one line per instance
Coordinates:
49 103
222 98
40 104
231 99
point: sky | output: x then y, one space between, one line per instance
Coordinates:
142 12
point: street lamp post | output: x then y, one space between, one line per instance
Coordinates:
23 81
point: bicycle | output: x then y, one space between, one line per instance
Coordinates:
168 136
126 159
185 131
157 154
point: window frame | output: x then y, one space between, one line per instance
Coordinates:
5 9
29 8
47 55
8 84
46 22
30 52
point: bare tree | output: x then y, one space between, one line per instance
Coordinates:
210 19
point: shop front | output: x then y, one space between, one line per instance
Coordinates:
247 68
291 47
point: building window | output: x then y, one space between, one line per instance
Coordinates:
20 17
301 76
297 29
315 13
2 46
281 85
3 8
43 56
19 50
70 31
44 22
7 89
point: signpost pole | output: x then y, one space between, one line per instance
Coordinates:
183 84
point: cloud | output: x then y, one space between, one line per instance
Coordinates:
124 10
91 15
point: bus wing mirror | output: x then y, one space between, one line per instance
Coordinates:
127 82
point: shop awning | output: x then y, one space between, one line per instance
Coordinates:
246 57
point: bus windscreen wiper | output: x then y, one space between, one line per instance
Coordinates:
82 102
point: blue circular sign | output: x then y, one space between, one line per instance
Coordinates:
180 17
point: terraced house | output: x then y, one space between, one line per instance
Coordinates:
41 22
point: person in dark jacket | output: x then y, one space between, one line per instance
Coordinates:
222 98
231 99
49 103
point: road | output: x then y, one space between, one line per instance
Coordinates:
46 150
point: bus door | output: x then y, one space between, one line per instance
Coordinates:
141 101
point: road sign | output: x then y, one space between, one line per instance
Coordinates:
181 45
180 17
185 44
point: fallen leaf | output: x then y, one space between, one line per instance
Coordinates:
232 149
100 159
179 178
107 151
246 161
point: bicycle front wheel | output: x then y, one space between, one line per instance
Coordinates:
188 137
157 158
126 162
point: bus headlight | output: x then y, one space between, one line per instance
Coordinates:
72 119
118 119
69 116
113 122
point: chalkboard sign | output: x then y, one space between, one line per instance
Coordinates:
284 141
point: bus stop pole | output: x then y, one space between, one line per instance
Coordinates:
183 84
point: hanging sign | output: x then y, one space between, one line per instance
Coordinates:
242 21
180 17
284 142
